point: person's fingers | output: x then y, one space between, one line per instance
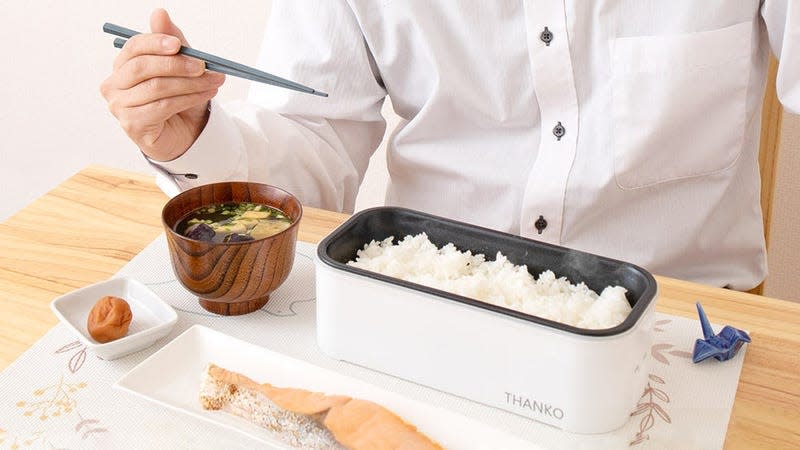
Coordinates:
160 22
160 97
166 39
154 89
139 121
150 96
147 44
145 67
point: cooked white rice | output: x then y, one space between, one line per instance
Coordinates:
418 260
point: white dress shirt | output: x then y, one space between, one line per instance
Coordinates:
626 128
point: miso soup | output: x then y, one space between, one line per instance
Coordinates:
232 222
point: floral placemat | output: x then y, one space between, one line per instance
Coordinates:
59 395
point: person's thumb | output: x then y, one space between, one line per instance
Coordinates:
160 22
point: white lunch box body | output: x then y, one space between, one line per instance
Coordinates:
584 381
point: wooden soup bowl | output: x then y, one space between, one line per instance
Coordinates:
236 277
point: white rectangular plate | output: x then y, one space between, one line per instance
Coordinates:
171 377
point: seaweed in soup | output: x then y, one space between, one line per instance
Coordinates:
232 222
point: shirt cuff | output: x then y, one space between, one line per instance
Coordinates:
215 156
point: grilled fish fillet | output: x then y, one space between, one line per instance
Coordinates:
310 420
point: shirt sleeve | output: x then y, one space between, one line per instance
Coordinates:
782 18
317 148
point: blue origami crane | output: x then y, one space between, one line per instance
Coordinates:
722 346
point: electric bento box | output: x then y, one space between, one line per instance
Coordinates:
579 380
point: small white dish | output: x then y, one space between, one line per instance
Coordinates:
152 317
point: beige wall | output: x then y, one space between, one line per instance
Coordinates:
53 120
784 252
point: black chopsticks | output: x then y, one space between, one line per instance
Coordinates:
217 64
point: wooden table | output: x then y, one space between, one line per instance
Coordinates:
87 228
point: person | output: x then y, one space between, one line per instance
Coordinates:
626 129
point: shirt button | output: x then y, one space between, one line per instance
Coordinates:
559 131
546 36
540 224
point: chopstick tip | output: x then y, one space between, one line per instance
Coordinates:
321 94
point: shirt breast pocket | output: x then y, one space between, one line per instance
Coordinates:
678 104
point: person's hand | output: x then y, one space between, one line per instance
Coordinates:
159 96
